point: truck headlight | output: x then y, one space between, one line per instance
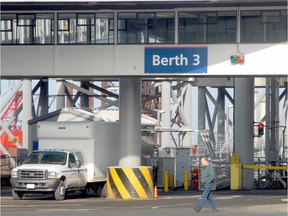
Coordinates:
14 174
53 174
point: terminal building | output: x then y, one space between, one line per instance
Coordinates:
219 63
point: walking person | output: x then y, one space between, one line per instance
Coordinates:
207 178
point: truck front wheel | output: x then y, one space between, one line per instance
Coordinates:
17 195
59 194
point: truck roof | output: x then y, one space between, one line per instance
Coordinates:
58 150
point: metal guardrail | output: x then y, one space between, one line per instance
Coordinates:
265 167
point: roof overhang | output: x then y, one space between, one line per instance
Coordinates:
129 4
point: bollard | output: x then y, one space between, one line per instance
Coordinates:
186 178
235 176
171 180
166 181
235 173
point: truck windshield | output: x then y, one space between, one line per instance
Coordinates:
47 158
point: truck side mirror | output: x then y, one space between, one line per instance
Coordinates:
78 163
19 162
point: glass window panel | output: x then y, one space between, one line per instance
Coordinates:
8 23
85 34
26 20
251 26
207 27
263 26
111 24
271 16
44 30
8 16
164 28
207 18
127 28
85 19
104 28
145 24
25 31
24 35
63 25
67 32
147 27
122 25
86 28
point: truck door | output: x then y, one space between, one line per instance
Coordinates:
78 177
83 175
73 172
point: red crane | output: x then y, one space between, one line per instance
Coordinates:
11 112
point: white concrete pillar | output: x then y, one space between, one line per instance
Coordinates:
130 121
220 118
27 111
201 111
60 92
166 116
243 128
187 110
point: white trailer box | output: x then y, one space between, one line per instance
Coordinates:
98 142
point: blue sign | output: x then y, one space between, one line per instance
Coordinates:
181 59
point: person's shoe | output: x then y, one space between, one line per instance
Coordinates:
214 210
197 209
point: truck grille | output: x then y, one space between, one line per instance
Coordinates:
33 174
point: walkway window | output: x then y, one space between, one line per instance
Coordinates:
27 28
105 28
8 29
146 28
85 28
88 28
207 27
263 26
66 28
44 29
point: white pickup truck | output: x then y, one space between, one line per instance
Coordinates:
88 149
50 171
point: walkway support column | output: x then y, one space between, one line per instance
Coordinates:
221 119
187 109
243 129
130 121
60 92
27 112
166 117
201 111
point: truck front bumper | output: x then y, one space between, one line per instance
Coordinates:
34 185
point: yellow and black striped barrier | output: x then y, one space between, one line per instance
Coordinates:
129 183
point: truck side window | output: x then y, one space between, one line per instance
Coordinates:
72 158
79 157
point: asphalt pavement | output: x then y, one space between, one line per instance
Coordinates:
178 202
